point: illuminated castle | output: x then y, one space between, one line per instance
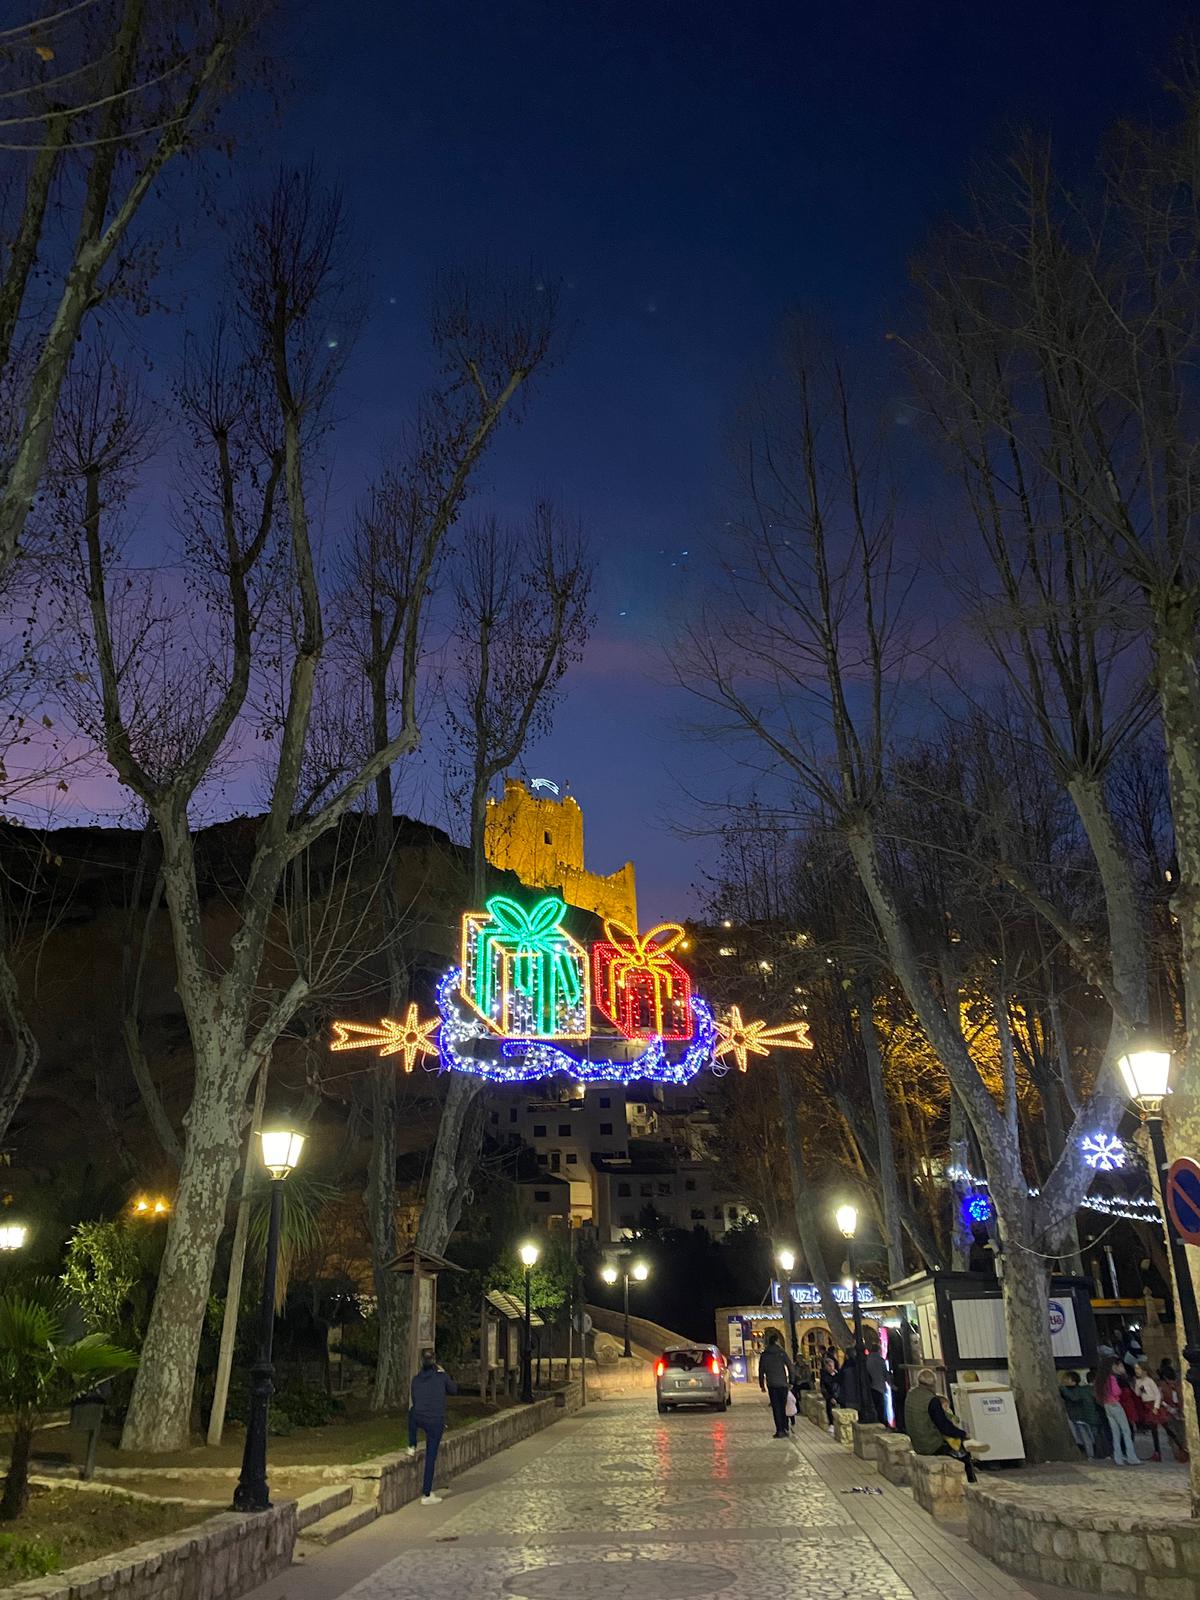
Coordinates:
541 840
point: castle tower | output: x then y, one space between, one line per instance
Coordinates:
540 838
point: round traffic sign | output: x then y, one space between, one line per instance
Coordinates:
1183 1198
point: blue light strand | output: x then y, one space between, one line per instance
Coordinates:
538 1058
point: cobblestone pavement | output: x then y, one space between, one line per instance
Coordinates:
621 1504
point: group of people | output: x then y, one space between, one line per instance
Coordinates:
1118 1398
782 1377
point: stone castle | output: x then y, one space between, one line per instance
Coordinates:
540 838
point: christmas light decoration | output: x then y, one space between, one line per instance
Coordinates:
468 1045
639 986
1103 1151
743 1039
410 1038
1129 1208
523 973
977 1207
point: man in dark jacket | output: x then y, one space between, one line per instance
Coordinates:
775 1376
427 1411
932 1428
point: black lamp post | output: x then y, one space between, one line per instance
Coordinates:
787 1261
847 1221
281 1152
529 1254
639 1271
1146 1068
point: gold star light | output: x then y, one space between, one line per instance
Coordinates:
742 1039
410 1038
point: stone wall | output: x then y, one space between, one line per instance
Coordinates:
937 1484
1119 1554
844 1418
224 1557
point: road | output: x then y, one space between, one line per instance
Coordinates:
621 1504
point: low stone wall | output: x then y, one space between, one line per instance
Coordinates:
812 1407
937 1484
892 1457
863 1436
1118 1553
221 1558
844 1418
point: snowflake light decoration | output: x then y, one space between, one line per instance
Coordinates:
1103 1151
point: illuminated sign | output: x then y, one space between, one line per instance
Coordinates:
807 1294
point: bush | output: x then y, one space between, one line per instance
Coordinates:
291 1405
26 1558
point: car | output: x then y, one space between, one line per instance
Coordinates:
692 1375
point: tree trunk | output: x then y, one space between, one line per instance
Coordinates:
1031 1369
237 1266
808 1227
1175 616
16 1485
889 1183
160 1408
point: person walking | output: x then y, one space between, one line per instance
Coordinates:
775 1376
877 1377
427 1411
1108 1396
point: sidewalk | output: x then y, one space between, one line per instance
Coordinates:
621 1504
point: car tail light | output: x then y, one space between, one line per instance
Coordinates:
714 1364
659 1368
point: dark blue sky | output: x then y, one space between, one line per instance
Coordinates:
690 171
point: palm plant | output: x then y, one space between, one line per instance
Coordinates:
43 1366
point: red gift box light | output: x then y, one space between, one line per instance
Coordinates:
639 986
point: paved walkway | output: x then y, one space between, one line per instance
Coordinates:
621 1504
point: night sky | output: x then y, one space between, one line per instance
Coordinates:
690 171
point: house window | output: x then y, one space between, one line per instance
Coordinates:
512 1115
572 1159
542 1196
647 1190
546 839
555 1161
664 1188
689 1185
606 1127
564 1130
539 1130
495 1116
624 1191
697 1214
718 1214
605 1102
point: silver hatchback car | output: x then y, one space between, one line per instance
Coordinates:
692 1375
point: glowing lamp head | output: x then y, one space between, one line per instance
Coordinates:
640 1271
786 1260
13 1236
528 1254
281 1149
847 1221
1146 1069
609 1273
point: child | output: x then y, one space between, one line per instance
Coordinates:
1082 1412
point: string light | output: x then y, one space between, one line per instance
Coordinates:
1128 1208
978 1207
411 1038
742 1039
639 986
523 973
1103 1151
467 1045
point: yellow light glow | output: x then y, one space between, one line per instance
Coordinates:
743 1039
411 1038
529 1254
281 1149
13 1236
641 1271
609 1273
786 1259
847 1221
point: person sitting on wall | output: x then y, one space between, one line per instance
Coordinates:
933 1428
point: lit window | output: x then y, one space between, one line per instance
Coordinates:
727 950
764 966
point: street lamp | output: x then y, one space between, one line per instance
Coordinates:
528 1254
280 1152
787 1260
13 1236
639 1272
847 1221
1146 1069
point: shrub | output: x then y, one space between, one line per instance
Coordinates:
27 1558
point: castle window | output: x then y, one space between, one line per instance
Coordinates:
546 839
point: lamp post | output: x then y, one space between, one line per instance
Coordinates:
280 1152
847 1221
13 1236
528 1254
1146 1069
639 1272
787 1260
